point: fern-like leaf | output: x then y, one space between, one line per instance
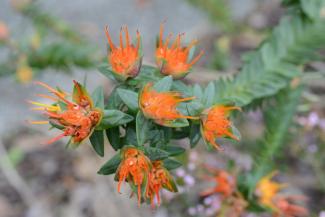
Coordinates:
278 60
278 115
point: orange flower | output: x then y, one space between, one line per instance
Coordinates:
266 190
76 119
174 60
287 206
159 178
134 168
215 124
225 183
126 59
269 193
161 107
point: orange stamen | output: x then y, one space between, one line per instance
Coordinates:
54 91
196 58
138 41
47 97
55 139
121 39
38 122
127 36
109 40
161 30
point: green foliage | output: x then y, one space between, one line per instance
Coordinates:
277 126
270 68
97 141
98 97
218 11
113 136
43 20
143 126
61 55
113 118
143 133
310 9
111 165
67 49
130 98
172 164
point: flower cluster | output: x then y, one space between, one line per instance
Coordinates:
77 118
270 195
215 124
147 109
125 59
151 107
161 107
174 60
232 201
137 169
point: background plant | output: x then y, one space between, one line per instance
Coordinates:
272 81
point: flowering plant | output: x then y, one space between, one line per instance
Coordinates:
148 110
152 107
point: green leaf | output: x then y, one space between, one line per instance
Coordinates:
197 91
182 88
180 133
295 41
155 153
110 166
180 122
56 125
207 144
277 125
113 136
194 108
164 84
143 126
174 150
171 164
235 132
131 137
130 98
113 118
172 183
97 141
106 71
114 101
312 8
208 95
98 97
147 74
195 134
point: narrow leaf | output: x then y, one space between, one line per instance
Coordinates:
97 141
98 97
171 164
130 98
142 128
164 84
113 118
113 136
110 166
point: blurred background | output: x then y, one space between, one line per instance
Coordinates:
56 41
